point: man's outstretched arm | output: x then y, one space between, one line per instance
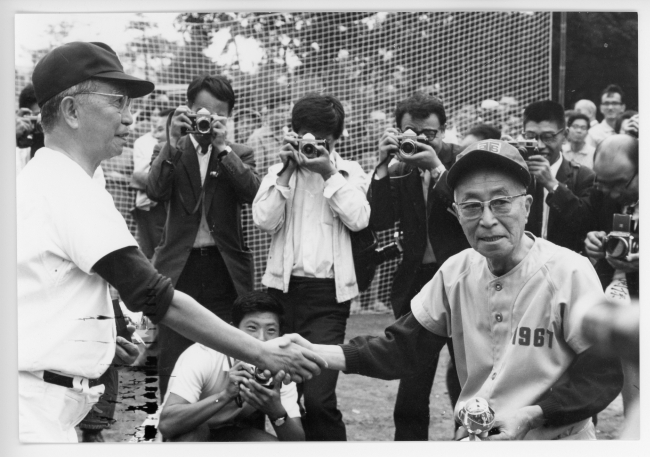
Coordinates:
405 348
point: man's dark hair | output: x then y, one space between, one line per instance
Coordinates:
485 132
218 86
545 110
322 114
27 97
420 106
276 100
255 302
575 116
619 120
613 89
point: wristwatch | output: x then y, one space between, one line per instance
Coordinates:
280 421
225 151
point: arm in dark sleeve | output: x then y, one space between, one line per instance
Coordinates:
141 287
161 175
573 206
405 349
593 383
384 199
240 170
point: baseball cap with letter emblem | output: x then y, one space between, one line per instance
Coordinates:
493 154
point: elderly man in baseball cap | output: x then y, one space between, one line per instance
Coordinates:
512 305
73 243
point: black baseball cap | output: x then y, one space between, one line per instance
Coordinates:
75 62
489 153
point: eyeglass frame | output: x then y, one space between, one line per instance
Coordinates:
127 103
538 137
509 198
428 130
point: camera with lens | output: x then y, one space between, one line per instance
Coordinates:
526 148
201 123
308 145
621 242
408 142
261 379
389 252
36 122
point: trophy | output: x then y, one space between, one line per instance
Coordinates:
477 417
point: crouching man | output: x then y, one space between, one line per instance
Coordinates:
212 397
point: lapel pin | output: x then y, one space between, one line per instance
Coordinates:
214 174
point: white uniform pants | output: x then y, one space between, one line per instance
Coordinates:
48 413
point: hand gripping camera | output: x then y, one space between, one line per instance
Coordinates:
621 242
261 379
408 143
201 123
526 148
36 122
308 145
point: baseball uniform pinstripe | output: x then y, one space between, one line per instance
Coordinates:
514 335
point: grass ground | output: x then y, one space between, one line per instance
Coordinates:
366 403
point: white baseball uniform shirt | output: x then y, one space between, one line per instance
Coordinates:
514 335
201 372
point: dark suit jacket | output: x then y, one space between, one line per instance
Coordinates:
399 197
604 209
175 178
569 213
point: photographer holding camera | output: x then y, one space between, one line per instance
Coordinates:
559 212
212 397
414 192
29 132
310 202
205 180
614 246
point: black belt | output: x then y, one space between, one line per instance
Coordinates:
204 251
65 381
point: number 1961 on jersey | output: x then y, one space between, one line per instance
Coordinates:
525 335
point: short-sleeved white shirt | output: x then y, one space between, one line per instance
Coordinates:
66 222
201 372
514 335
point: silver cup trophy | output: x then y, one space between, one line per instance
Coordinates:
477 417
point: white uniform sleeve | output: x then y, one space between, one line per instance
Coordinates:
88 225
431 307
289 399
190 373
585 291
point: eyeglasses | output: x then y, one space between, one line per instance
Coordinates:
122 102
499 206
605 186
546 137
431 134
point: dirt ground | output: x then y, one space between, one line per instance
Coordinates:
366 403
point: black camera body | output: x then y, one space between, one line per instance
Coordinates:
526 148
408 143
262 380
308 145
201 123
389 252
621 242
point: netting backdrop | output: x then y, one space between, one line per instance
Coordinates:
368 60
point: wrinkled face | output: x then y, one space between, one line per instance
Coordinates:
553 147
618 179
496 237
261 325
578 130
103 127
611 105
205 99
425 127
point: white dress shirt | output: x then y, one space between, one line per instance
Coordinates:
203 236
